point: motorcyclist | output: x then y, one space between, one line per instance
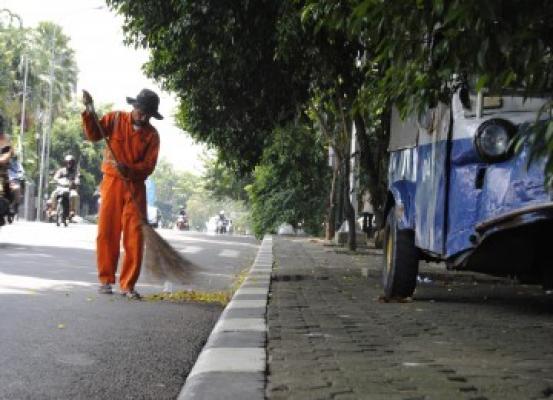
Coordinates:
16 176
6 153
182 219
68 171
222 222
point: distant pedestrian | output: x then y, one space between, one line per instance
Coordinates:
368 213
135 144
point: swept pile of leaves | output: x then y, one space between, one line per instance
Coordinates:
221 297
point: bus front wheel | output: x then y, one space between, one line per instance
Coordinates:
400 261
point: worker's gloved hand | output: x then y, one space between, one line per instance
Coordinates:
87 101
124 171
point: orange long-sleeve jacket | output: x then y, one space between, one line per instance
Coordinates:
138 150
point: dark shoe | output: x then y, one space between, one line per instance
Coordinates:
105 289
131 294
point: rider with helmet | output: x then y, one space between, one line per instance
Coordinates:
182 219
69 172
6 153
222 223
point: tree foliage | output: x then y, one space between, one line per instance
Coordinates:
222 182
244 70
51 69
218 57
68 138
423 48
290 184
173 188
420 52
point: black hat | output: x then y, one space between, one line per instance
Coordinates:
147 101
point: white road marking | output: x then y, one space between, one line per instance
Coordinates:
183 238
27 255
191 249
26 284
229 253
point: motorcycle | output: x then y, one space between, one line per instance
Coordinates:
221 226
62 201
12 185
49 211
4 210
182 223
9 202
16 177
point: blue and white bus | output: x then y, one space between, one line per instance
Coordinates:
459 193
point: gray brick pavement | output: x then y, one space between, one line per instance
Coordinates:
329 336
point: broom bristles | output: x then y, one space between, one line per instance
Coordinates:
162 262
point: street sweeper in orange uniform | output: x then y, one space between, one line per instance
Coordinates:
130 156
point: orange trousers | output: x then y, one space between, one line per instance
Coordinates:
119 214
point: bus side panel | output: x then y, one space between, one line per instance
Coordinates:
430 197
480 191
511 185
464 194
401 177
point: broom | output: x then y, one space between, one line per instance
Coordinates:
161 262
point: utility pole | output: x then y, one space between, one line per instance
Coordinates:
23 103
20 147
354 171
44 161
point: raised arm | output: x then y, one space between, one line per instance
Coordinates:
90 129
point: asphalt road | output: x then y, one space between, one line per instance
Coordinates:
59 339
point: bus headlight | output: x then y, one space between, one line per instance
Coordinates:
493 139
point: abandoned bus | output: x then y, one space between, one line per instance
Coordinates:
459 193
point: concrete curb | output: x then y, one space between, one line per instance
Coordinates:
232 363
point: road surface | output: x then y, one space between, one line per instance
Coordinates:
59 339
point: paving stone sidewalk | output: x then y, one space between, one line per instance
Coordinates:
463 336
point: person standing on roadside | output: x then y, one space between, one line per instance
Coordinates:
135 145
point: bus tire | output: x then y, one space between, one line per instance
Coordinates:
400 260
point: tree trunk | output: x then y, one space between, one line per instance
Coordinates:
331 215
374 158
348 208
340 205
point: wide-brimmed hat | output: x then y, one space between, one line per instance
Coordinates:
147 101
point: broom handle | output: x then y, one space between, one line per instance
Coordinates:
104 136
